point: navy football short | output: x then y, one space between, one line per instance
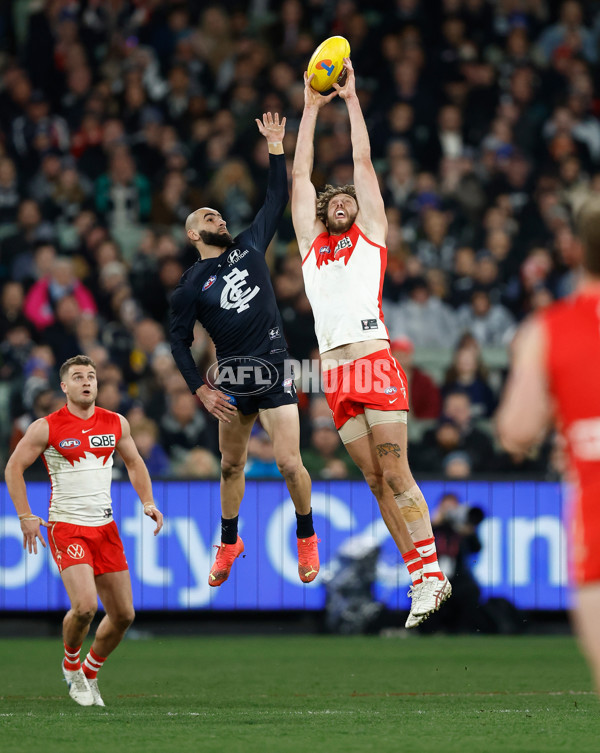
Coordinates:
257 383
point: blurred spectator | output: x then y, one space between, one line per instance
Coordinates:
455 440
436 445
145 435
491 324
123 194
457 465
11 308
43 401
468 372
423 318
111 397
569 36
32 229
175 200
261 456
327 457
36 131
42 297
198 463
15 349
9 192
185 426
424 395
61 336
70 196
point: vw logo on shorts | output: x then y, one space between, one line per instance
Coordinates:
75 551
254 373
390 390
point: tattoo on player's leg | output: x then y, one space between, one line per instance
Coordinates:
388 448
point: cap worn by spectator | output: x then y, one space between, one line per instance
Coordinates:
404 344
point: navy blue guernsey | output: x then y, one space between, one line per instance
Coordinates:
232 295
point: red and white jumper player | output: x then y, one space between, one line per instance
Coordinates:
341 235
554 376
77 444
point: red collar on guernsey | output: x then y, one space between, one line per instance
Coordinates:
332 248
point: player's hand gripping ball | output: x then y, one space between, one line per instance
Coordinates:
327 63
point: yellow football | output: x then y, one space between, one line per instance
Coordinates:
327 62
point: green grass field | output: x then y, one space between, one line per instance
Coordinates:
307 694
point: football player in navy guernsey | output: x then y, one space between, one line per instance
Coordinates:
228 290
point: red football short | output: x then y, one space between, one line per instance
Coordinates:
585 536
98 546
375 381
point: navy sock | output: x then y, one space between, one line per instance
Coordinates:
229 530
304 526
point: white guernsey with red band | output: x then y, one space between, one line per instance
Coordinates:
79 460
343 277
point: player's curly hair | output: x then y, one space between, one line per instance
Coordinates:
327 195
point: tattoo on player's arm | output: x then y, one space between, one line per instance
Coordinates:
388 448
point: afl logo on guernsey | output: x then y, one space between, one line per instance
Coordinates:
390 390
66 443
209 282
324 250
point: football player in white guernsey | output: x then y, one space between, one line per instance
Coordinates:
77 443
341 236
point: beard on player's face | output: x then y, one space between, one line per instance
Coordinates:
340 225
343 222
220 238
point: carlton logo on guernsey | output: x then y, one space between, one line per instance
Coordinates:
79 460
343 277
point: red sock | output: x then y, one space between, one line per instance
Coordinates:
414 566
426 549
72 662
92 664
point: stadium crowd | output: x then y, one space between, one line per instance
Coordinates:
118 118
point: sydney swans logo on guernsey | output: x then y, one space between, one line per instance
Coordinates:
234 296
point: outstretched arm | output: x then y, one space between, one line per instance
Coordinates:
525 412
304 196
138 473
26 452
262 230
371 210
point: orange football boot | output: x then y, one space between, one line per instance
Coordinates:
226 554
308 558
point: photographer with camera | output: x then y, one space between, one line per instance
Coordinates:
455 529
